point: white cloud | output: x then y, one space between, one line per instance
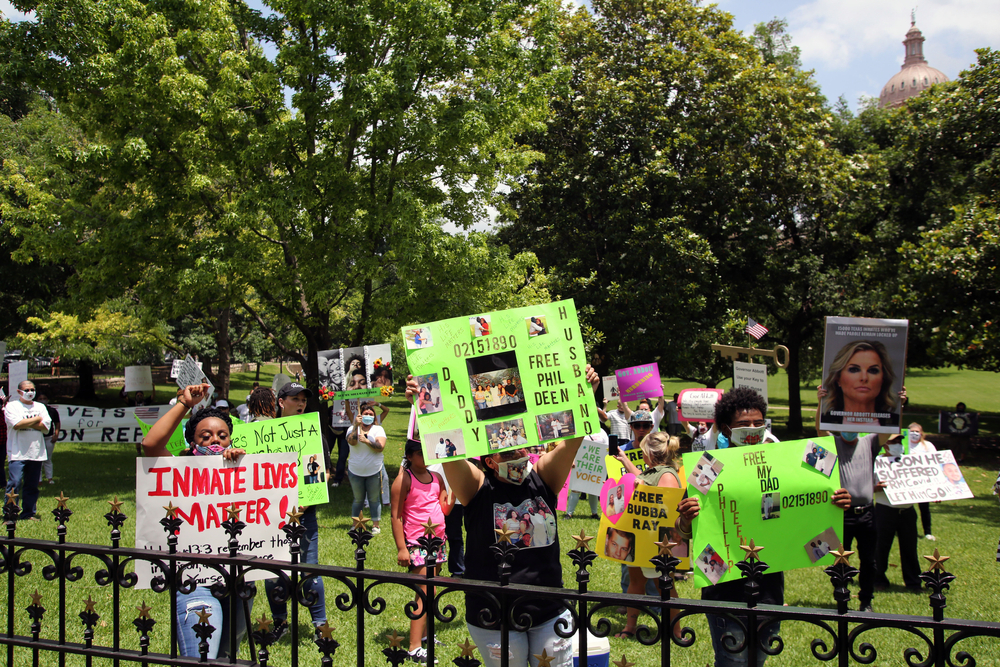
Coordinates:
8 12
839 34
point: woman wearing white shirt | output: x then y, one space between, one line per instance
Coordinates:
921 445
364 467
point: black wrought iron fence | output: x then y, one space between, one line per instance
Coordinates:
841 637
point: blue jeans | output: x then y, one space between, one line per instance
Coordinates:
369 487
25 473
309 546
201 599
524 646
719 626
574 498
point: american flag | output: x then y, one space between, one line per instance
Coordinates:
148 413
754 329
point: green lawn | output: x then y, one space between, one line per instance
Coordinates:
91 474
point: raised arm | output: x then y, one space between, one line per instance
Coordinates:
155 442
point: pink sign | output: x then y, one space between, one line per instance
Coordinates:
639 382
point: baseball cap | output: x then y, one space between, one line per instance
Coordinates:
640 416
222 403
412 447
293 388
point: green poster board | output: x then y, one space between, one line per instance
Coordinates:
513 378
298 433
778 494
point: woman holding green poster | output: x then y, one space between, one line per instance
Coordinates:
507 488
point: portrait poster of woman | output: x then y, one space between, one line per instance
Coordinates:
864 361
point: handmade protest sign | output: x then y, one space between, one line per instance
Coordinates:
176 444
512 378
138 378
204 489
640 516
82 423
17 372
863 365
638 382
298 434
616 469
770 494
698 405
190 373
356 372
610 385
921 478
753 376
588 473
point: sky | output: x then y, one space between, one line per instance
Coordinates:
855 46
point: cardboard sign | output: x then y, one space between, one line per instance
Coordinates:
17 372
589 472
698 405
513 378
138 378
863 365
639 382
768 493
753 376
610 385
190 373
366 373
647 516
958 423
298 434
82 423
202 488
921 478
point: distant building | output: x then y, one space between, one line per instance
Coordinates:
915 77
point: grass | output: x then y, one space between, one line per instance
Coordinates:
90 474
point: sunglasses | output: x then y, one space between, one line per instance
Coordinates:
642 425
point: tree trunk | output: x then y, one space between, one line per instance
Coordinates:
85 387
794 381
224 347
257 377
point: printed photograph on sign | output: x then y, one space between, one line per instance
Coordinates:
616 501
620 545
822 544
378 364
428 398
505 434
863 365
417 338
953 474
479 325
532 524
491 379
820 458
445 443
355 375
315 470
537 326
770 506
705 472
711 564
610 384
330 372
670 534
556 425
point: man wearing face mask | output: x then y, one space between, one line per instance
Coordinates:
739 422
510 483
27 423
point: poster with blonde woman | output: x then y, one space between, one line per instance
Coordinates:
863 365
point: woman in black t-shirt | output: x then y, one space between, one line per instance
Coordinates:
510 484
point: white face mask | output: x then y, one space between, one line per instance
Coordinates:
515 471
915 437
28 395
367 420
747 436
895 450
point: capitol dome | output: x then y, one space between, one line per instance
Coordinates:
915 77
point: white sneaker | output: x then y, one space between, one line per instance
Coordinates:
930 537
419 654
376 530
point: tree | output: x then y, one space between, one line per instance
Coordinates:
774 43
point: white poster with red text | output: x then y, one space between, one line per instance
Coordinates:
264 487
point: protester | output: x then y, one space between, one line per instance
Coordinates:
224 406
673 422
207 433
921 445
702 437
27 423
261 404
292 400
50 440
339 423
739 418
364 467
419 499
618 420
509 483
659 453
890 521
961 440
